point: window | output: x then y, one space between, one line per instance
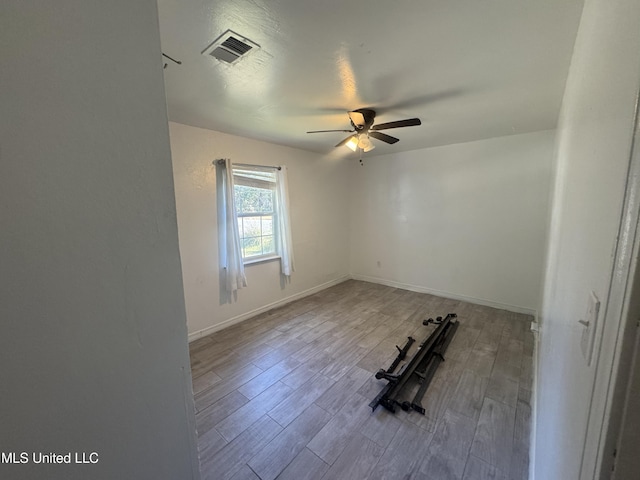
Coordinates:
255 199
253 220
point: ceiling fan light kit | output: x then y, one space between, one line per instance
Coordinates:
363 128
352 143
364 143
360 141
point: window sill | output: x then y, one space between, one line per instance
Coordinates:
254 261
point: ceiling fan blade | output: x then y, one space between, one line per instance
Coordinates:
383 136
345 140
409 122
323 131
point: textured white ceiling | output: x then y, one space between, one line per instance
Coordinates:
469 69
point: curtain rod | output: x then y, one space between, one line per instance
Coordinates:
220 161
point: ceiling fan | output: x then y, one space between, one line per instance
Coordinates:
362 122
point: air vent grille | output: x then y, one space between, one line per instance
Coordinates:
237 46
230 47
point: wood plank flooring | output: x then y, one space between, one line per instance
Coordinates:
285 394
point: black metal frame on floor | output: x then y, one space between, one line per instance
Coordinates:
422 365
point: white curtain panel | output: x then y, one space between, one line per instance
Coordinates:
284 245
231 253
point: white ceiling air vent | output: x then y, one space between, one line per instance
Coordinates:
230 47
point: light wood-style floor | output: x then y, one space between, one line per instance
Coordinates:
285 395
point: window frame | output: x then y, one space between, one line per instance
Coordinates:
240 180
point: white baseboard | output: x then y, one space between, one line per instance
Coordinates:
406 286
279 303
452 296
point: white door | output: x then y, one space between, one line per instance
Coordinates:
627 463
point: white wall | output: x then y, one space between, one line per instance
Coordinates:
465 220
93 342
318 187
594 137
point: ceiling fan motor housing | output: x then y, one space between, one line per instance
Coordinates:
362 118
